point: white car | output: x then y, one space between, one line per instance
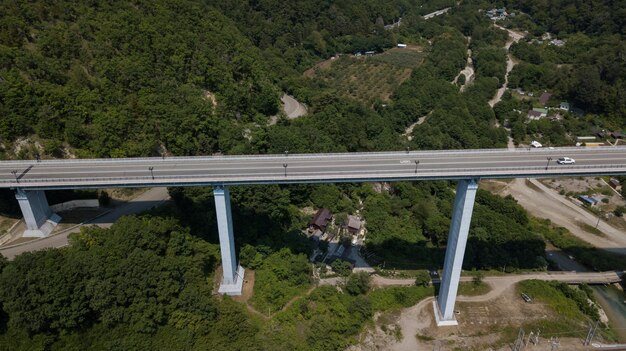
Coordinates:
566 161
535 143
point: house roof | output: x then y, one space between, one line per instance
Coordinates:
321 218
534 114
543 99
588 199
354 222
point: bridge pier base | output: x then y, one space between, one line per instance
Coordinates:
457 240
232 281
38 216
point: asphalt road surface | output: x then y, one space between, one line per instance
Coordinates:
321 168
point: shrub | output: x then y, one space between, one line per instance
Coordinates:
341 267
422 278
358 283
104 199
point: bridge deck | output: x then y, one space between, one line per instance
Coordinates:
310 168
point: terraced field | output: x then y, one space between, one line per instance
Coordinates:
368 78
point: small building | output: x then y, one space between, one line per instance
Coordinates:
544 98
565 106
543 111
534 115
352 224
402 46
321 219
591 201
614 183
370 53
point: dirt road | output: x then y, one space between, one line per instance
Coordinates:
543 202
141 203
468 71
292 108
419 318
513 38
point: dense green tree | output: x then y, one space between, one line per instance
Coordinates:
422 278
358 283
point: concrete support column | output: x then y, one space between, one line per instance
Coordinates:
38 217
232 281
457 240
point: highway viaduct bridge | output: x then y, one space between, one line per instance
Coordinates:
31 178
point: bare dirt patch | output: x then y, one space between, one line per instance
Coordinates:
125 194
487 325
598 188
6 223
320 66
573 185
494 185
248 287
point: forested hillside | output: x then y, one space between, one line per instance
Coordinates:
143 78
589 70
124 79
139 78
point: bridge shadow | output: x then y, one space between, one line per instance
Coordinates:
106 215
273 230
479 254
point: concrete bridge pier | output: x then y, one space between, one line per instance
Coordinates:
232 281
457 240
38 216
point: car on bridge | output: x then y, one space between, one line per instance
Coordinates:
566 161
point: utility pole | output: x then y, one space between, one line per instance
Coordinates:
15 175
554 343
519 342
530 337
537 337
151 171
591 333
417 162
548 164
285 165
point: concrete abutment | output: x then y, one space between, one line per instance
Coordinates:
39 218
